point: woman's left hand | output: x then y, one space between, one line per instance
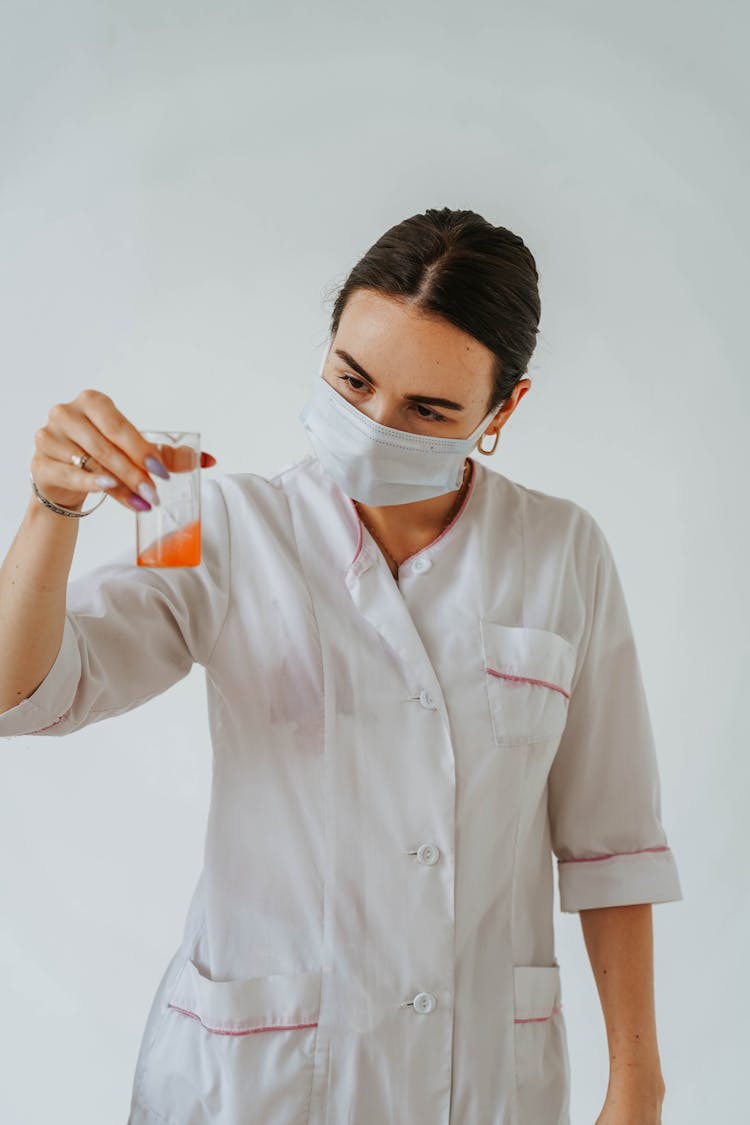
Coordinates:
632 1106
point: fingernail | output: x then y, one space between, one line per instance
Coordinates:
105 481
148 492
155 466
138 504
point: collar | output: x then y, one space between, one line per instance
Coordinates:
364 545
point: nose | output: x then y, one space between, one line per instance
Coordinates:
383 418
385 415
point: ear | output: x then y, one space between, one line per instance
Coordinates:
513 399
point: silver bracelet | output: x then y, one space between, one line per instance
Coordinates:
64 511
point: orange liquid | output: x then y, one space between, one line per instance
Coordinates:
179 548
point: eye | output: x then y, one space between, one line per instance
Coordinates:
428 416
431 415
351 380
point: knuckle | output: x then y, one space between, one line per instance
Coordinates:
118 427
89 395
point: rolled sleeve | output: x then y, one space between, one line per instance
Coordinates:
604 798
131 632
52 700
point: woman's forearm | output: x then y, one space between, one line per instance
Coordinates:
33 590
619 943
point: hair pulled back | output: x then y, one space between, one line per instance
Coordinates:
457 266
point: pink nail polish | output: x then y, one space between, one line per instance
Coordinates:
138 503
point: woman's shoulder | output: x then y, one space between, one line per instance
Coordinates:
543 509
238 485
256 501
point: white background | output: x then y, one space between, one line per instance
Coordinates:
183 188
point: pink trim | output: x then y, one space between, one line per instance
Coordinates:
39 731
360 537
611 855
469 489
250 1031
529 680
541 1019
452 524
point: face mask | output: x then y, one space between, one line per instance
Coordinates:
379 465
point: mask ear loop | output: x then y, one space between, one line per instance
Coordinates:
478 434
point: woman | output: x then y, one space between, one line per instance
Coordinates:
422 689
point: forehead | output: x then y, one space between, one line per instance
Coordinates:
389 336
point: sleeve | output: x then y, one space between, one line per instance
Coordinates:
604 787
131 632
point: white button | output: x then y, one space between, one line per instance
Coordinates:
426 699
424 1002
421 564
428 853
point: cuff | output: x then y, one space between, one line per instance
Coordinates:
620 879
53 698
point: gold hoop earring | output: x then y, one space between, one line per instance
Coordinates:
487 452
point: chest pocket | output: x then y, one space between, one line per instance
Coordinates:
528 673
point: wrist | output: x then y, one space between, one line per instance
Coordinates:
73 500
53 497
644 1076
39 512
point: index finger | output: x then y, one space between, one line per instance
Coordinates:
178 458
112 423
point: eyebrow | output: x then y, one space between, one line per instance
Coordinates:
351 362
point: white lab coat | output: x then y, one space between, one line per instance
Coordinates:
396 768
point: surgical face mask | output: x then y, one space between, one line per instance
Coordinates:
379 465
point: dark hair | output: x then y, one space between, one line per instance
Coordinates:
457 266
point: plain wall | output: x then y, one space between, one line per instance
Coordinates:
183 187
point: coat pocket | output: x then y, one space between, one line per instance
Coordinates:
227 1051
528 673
542 1080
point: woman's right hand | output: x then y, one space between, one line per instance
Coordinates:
92 424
